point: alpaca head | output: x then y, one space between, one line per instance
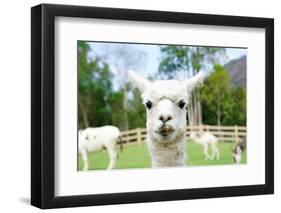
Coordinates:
193 136
237 154
165 102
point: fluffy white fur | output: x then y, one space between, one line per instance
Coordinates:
97 139
166 120
207 139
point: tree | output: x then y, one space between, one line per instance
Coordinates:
94 88
136 112
235 107
216 89
122 58
117 110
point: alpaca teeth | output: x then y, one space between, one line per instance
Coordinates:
166 129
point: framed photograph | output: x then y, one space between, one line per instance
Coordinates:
139 106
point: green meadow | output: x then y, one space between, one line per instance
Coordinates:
137 156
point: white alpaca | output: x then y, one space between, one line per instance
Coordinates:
97 139
207 139
166 102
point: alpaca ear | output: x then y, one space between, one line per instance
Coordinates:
195 81
138 81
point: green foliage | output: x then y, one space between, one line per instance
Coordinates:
99 104
136 113
174 60
95 89
235 107
186 60
221 103
116 102
219 81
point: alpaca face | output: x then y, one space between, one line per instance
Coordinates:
166 102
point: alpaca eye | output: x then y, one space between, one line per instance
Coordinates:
148 104
181 104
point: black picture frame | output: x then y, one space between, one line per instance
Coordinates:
43 102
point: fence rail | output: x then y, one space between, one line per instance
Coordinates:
223 133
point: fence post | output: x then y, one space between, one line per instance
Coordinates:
220 134
139 140
201 129
191 129
236 134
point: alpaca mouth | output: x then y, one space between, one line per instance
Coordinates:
165 130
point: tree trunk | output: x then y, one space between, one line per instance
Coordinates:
189 115
195 109
84 115
125 106
218 110
196 101
199 107
190 112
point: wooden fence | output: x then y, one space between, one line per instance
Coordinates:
223 133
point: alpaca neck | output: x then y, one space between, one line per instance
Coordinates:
168 154
197 140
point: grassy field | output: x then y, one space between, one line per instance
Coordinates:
137 156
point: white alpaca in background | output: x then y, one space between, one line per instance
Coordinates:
97 139
207 139
238 150
166 102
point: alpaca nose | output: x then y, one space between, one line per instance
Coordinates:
165 118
